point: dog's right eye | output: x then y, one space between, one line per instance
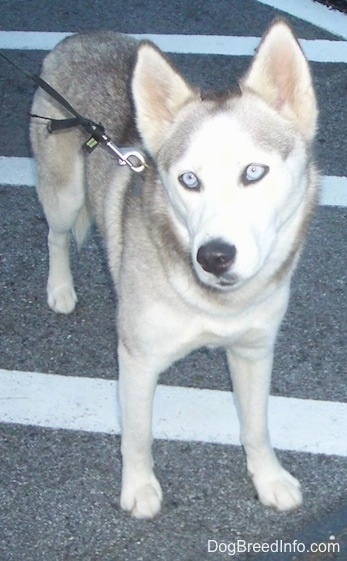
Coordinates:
190 181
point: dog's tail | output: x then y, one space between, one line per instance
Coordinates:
81 226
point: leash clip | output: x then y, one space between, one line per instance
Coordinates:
127 156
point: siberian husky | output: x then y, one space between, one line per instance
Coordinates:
202 247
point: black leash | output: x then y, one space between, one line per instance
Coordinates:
126 156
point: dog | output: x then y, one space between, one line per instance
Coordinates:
202 245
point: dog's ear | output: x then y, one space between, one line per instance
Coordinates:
280 74
159 92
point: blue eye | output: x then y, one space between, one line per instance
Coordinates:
253 173
190 181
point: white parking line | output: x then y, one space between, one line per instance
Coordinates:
89 404
21 172
315 50
333 191
322 16
17 171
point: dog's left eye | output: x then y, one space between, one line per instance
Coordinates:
189 180
254 173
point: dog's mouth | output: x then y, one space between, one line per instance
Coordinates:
224 283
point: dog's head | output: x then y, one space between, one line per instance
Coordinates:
234 167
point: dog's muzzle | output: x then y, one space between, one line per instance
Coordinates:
216 257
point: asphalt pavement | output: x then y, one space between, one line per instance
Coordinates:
59 490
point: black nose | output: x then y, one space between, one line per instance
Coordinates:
216 256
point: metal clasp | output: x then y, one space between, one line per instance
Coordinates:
127 156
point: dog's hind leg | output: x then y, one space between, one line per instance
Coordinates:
60 188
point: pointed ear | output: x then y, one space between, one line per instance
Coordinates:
159 92
280 74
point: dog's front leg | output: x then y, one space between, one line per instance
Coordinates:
141 493
251 374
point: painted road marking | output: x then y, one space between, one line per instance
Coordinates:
188 414
321 16
17 171
315 50
21 172
333 191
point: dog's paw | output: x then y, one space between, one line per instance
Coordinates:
143 501
280 490
62 299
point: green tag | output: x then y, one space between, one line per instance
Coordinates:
90 144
